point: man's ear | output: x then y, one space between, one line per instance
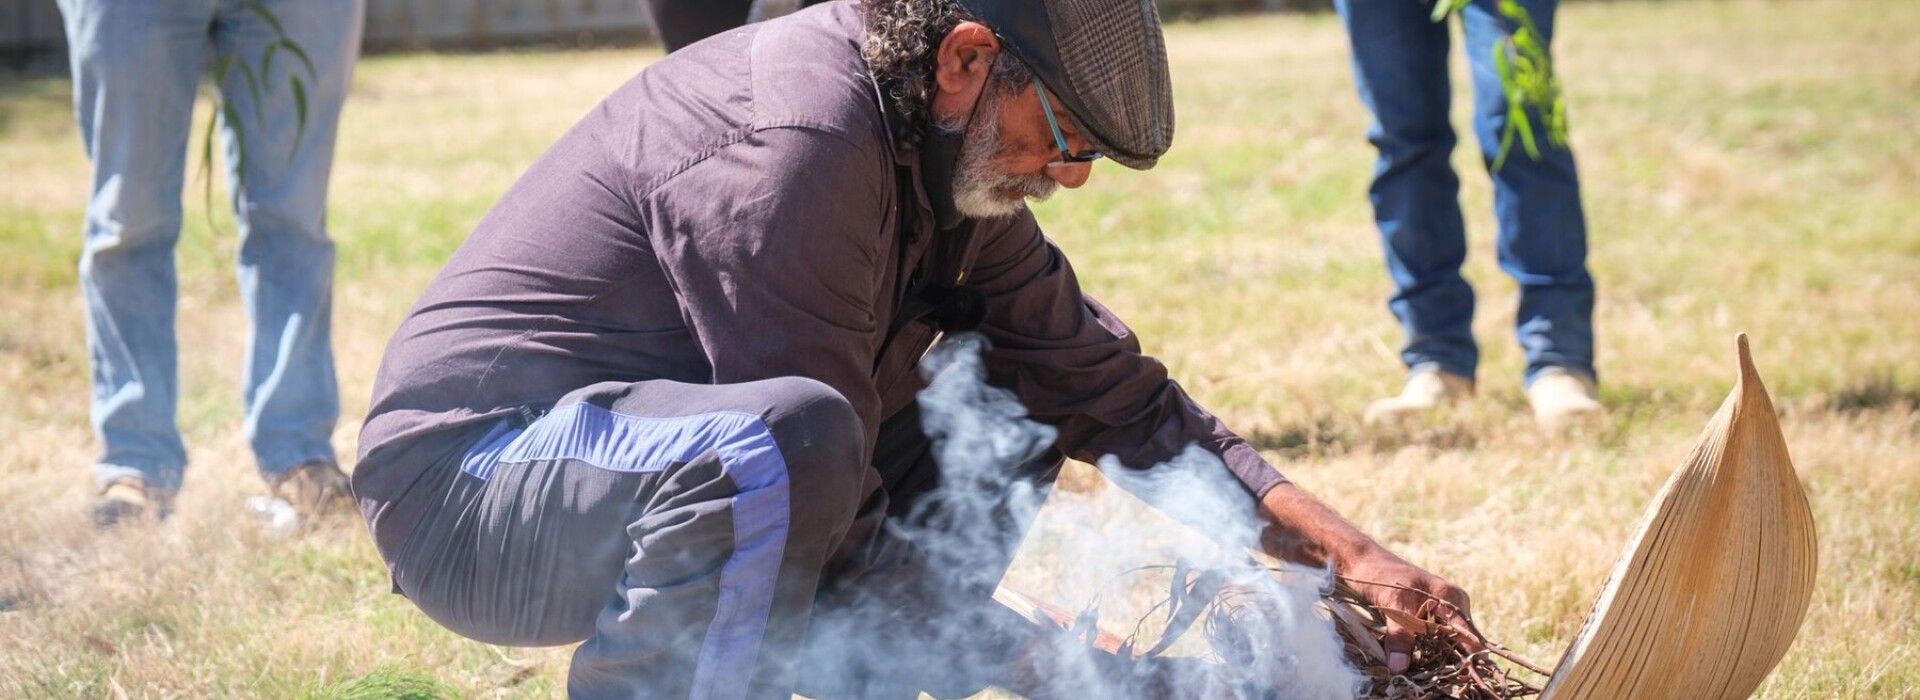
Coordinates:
965 59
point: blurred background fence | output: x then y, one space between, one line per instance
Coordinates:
31 36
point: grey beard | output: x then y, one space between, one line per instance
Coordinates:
980 185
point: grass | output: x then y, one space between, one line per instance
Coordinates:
1747 166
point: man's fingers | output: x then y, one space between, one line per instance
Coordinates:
1401 627
1412 602
1461 603
1399 646
1460 616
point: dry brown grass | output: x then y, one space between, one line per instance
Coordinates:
1748 166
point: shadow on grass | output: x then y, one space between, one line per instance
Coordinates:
1878 390
1329 436
1321 436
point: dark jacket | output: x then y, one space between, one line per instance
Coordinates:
739 211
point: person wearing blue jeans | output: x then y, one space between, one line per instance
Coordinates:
1400 66
136 65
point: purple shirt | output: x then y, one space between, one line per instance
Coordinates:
739 211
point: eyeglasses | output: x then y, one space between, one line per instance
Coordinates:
1066 156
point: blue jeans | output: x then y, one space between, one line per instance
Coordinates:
136 64
1400 65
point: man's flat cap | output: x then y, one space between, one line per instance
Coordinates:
1104 59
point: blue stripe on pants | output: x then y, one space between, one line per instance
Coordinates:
760 508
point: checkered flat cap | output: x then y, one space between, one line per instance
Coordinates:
1104 59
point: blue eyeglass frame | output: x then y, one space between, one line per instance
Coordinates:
1059 139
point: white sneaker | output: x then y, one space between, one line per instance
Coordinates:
1562 397
1428 387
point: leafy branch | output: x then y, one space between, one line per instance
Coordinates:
1525 68
258 88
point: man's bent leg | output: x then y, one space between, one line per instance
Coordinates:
679 529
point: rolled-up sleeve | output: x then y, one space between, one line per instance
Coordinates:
1077 366
773 246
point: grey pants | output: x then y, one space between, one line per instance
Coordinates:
689 536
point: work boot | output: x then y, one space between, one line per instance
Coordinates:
315 488
130 499
1563 397
1427 388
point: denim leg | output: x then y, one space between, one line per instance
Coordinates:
285 259
1400 66
1543 230
135 65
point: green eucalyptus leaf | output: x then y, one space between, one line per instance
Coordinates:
300 114
206 165
253 91
301 54
266 64
1506 147
1442 8
231 115
1535 104
1520 122
267 15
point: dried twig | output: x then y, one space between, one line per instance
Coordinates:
1447 662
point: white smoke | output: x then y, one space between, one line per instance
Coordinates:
1287 648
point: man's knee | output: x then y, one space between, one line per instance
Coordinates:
816 428
822 440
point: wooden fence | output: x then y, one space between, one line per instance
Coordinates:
30 32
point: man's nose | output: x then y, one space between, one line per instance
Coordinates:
1070 175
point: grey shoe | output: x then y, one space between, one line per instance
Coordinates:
315 488
129 500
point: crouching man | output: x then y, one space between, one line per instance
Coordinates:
661 402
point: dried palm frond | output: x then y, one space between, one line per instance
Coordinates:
1710 593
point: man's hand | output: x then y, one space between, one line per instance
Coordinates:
1306 531
1390 583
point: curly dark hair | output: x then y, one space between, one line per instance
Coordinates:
903 38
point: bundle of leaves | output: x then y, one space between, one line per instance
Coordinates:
1535 106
